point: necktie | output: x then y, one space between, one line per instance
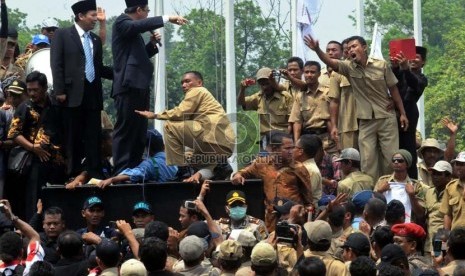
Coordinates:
90 73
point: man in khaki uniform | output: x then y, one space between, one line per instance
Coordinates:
416 190
306 148
453 202
293 73
272 105
198 122
334 50
370 79
319 241
430 153
354 180
310 111
441 174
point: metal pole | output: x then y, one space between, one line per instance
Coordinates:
360 18
418 32
294 27
160 71
230 72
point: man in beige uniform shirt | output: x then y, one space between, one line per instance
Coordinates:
334 50
374 86
310 111
354 180
272 105
198 122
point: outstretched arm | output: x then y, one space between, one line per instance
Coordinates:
315 46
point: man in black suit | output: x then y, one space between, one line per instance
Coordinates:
76 61
133 73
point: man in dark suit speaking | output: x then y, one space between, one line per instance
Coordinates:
76 62
133 72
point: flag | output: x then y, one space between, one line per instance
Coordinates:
306 12
375 51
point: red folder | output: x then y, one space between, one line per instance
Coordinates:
406 46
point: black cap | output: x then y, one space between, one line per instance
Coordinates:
358 242
199 229
284 206
235 195
422 51
91 202
142 206
394 210
16 87
84 6
134 3
392 252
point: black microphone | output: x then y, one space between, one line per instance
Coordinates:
158 41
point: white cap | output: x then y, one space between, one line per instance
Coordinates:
49 23
349 154
460 157
442 166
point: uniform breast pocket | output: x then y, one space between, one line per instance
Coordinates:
454 201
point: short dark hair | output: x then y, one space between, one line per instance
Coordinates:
70 244
350 208
153 254
376 208
313 63
383 236
197 74
335 42
457 243
10 247
321 246
156 229
267 269
390 270
297 60
55 210
192 212
39 77
310 144
395 212
230 265
360 39
41 268
108 252
277 137
345 41
362 266
312 266
336 216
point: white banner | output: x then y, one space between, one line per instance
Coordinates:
306 11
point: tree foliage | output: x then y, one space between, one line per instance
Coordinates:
445 43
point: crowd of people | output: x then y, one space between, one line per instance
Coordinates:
349 186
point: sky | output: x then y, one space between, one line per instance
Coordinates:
333 22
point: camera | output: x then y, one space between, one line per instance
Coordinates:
249 82
286 232
190 205
276 75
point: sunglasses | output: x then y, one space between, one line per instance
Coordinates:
398 160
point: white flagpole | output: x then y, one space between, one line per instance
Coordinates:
360 18
159 72
418 31
294 26
231 107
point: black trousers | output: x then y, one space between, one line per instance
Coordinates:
82 130
407 141
130 130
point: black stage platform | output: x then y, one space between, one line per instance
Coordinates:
165 199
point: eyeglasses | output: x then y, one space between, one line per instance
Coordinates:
398 160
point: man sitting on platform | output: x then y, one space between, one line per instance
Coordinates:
198 122
154 168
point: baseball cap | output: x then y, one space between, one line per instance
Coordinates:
263 73
235 195
392 252
349 154
142 206
40 38
285 207
318 230
408 230
230 250
50 23
359 242
325 200
361 198
91 202
17 87
442 166
460 157
247 239
191 248
133 267
263 254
